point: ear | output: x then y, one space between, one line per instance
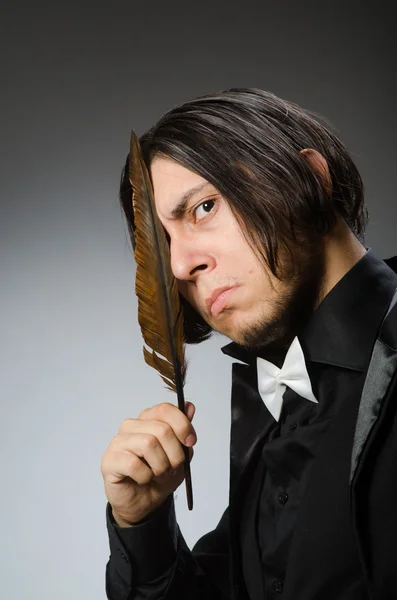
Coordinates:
319 165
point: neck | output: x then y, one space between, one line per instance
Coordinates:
342 250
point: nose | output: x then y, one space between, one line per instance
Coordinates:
188 259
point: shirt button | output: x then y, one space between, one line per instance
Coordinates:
283 498
123 556
278 586
293 426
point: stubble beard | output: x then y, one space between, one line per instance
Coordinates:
291 310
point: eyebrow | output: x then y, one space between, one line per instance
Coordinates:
180 208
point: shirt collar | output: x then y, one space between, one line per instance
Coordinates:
343 328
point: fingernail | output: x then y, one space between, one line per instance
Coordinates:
190 440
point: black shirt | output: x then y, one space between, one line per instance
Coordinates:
337 344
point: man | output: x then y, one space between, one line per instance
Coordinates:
264 212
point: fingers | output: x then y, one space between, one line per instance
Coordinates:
120 464
155 441
190 409
150 446
172 416
139 457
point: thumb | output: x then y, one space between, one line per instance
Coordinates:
190 409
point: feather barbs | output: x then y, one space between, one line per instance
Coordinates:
160 313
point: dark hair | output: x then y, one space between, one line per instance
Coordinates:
246 143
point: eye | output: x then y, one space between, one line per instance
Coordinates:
203 209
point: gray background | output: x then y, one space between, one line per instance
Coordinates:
75 79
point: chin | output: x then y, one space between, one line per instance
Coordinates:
234 328
259 332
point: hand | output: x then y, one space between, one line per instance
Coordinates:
143 463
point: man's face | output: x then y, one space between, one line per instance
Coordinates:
209 253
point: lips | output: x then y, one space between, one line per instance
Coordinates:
215 295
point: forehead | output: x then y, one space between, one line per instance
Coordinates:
171 181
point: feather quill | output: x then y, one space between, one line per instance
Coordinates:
160 314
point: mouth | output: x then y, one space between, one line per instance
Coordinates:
218 299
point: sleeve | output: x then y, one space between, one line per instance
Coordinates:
151 561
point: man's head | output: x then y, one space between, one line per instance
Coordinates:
269 183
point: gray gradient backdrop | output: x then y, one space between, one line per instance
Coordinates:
75 79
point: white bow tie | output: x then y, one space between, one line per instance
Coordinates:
273 381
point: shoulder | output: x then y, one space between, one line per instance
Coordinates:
391 262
